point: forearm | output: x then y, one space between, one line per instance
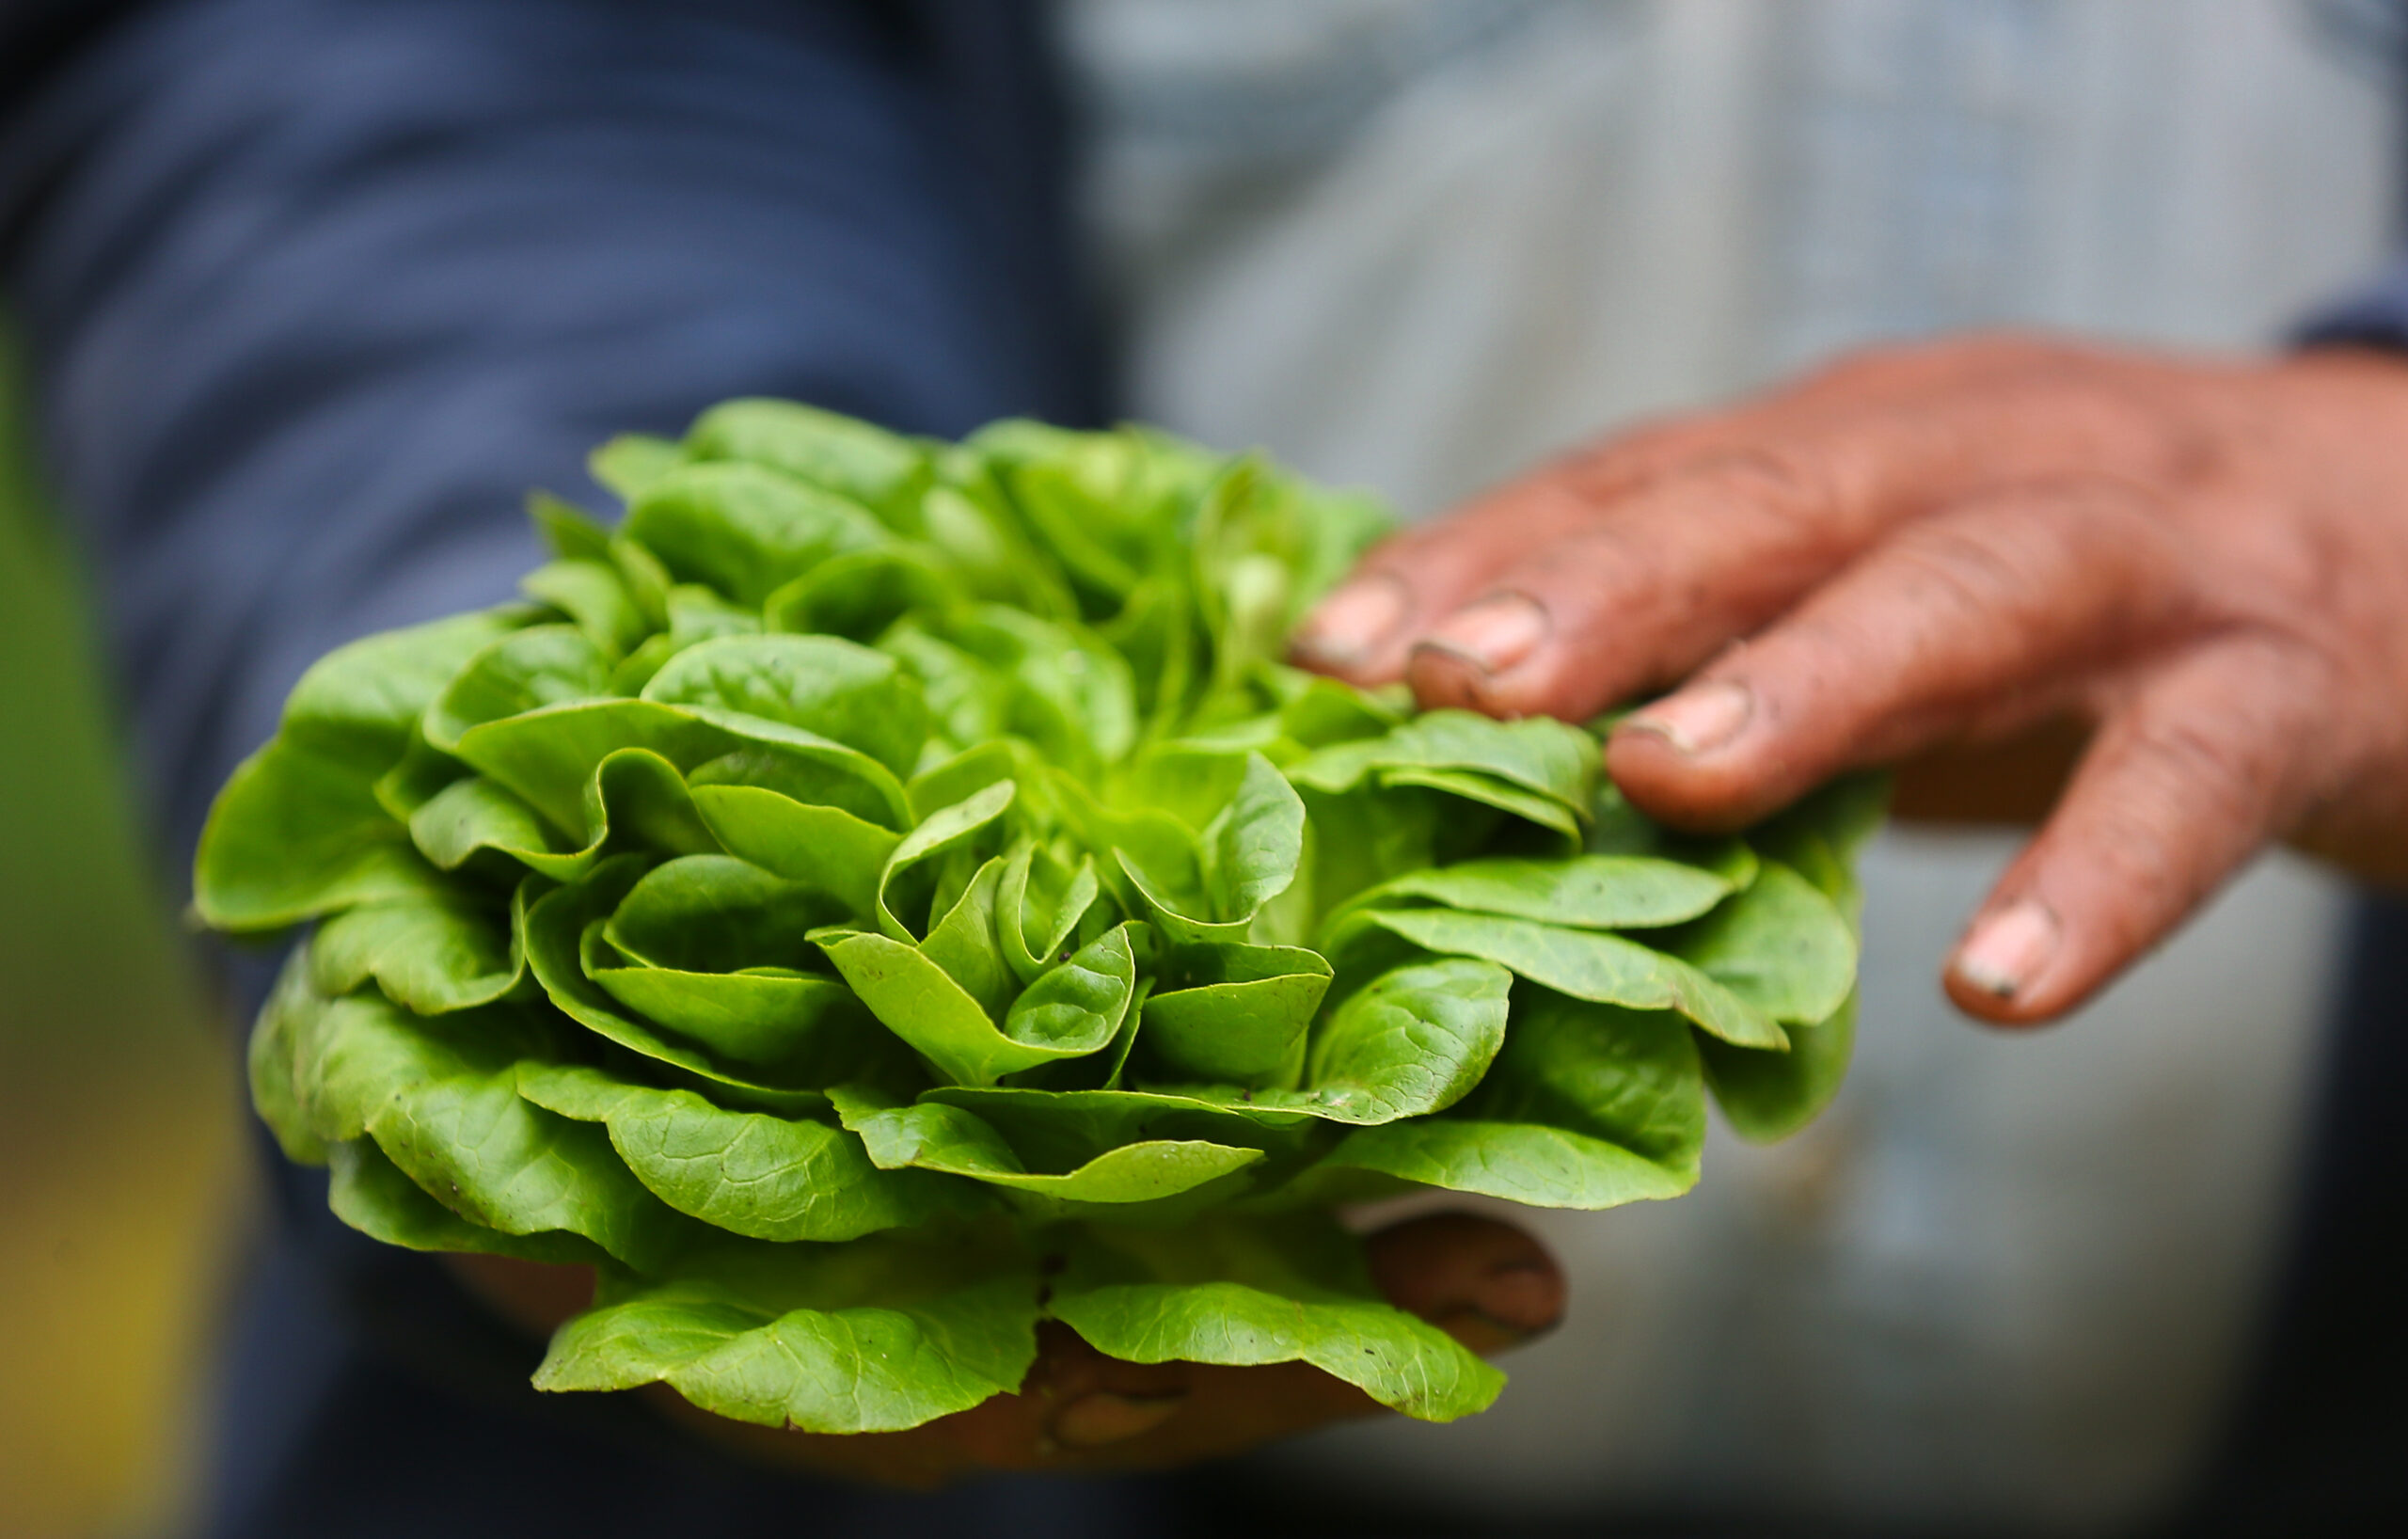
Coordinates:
317 288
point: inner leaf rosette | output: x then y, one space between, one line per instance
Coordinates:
883 894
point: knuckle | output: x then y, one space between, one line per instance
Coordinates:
1767 480
2184 771
2046 544
1600 565
1966 571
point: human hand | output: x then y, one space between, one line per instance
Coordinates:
1486 1283
1949 555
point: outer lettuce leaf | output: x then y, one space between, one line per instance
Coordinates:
932 1136
635 798
1767 1096
569 531
1247 1294
819 684
1781 945
359 703
291 1009
881 470
1588 965
876 1336
523 671
1588 1106
429 954
1552 814
745 528
439 1096
369 1192
296 832
1587 892
1538 754
750 1173
632 461
1764 1096
550 755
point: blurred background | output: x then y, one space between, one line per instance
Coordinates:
1415 243
120 1173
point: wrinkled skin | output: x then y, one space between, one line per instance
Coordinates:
2163 599
1485 1283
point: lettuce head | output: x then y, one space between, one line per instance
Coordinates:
885 894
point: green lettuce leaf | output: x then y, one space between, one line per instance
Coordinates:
1589 1106
431 953
876 1336
1247 1294
439 1096
745 528
1588 965
932 1136
752 1173
368 1191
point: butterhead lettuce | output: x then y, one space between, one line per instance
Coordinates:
885 894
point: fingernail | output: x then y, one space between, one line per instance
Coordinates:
1094 1420
2007 949
1698 720
1353 621
1492 634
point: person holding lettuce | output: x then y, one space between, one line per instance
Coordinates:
316 287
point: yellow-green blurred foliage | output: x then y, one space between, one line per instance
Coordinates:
119 1146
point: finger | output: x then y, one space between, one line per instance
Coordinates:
2213 755
1486 1283
1080 1398
1364 631
1361 631
1987 614
1667 575
1636 598
2014 421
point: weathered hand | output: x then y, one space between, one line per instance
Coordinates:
1954 555
1486 1283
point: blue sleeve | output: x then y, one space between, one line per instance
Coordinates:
316 289
2376 316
